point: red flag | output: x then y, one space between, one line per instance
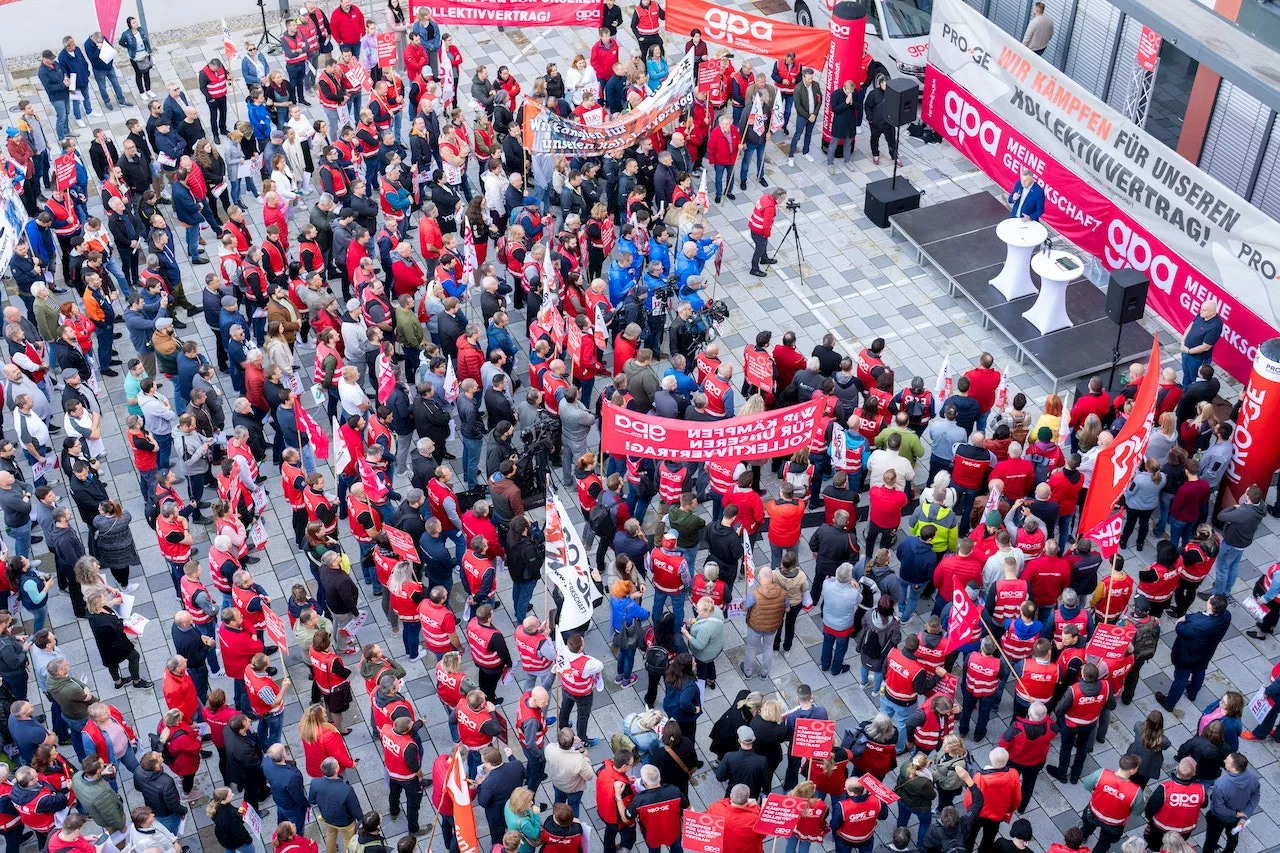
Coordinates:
1118 463
1107 534
386 379
464 813
108 16
228 44
963 624
319 441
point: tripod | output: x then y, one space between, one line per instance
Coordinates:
267 36
794 232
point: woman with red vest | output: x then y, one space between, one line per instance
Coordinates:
406 595
180 746
330 674
1158 581
1194 565
875 746
320 740
286 839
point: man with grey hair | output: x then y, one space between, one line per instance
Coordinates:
16 383
666 404
655 808
740 810
288 791
336 806
576 423
1169 808
998 781
159 417
423 464
839 607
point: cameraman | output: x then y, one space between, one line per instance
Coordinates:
761 226
692 293
657 290
683 337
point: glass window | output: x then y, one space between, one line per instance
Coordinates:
907 18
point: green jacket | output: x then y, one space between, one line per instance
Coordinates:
918 793
47 319
803 96
941 517
706 637
408 328
689 525
102 804
912 449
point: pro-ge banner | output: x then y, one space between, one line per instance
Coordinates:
547 133
514 13
1146 207
769 434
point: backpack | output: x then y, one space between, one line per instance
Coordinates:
799 479
601 521
1146 639
656 659
872 643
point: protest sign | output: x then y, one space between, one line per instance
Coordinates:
813 738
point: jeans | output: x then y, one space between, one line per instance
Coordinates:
1180 532
166 449
760 250
103 77
88 101
77 728
470 459
535 772
748 149
877 678
721 173
39 615
905 813
192 235
1191 367
521 598
833 651
626 661
759 645
297 74
574 800
411 632
964 506
61 109
985 706
899 714
910 598
836 143
1226 569
21 539
660 600
1162 516
170 822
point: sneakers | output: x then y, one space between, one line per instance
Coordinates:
742 184
808 157
729 193
875 159
80 123
791 161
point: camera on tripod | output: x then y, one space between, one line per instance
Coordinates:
540 441
667 291
792 204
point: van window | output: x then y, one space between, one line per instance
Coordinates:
906 18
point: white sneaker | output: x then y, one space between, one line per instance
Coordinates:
80 122
791 161
809 157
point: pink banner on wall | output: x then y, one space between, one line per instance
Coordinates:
108 15
1091 220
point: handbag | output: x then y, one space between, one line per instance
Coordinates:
677 760
631 634
145 63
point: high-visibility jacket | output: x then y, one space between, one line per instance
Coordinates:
448 686
716 390
293 480
1180 811
573 677
1161 589
402 601
474 568
981 675
856 818
242 597
478 637
471 725
189 588
1085 709
899 676
217 87
178 553
31 818
525 712
437 494
1112 799
382 715
666 571
394 747
671 478
648 19
315 501
1010 593
930 733
1038 681
255 683
438 626
527 646
322 667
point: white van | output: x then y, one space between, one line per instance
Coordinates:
897 33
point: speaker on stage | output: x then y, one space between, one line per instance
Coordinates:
901 101
887 197
1127 295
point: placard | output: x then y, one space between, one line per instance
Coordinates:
878 789
258 534
946 686
401 543
779 815
387 54
711 78
135 624
702 833
39 469
252 820
757 367
1260 705
64 170
779 432
1110 641
273 625
813 738
513 13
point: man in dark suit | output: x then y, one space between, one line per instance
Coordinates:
1027 198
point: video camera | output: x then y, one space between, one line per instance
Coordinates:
705 323
540 440
793 204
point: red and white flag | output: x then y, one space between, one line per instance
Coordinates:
963 626
469 259
748 560
228 44
307 424
1107 534
601 331
701 198
943 384
386 379
450 383
1064 424
1002 392
464 812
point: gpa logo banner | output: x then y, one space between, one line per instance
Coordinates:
1107 535
749 33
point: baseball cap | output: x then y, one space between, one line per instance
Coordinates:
746 735
992 517
670 534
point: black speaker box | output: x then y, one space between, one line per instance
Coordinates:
901 101
1127 295
883 199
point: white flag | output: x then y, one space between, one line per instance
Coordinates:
450 383
1064 424
1002 392
748 560
567 567
942 387
701 198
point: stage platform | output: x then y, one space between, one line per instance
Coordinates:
959 238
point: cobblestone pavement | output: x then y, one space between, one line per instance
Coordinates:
859 283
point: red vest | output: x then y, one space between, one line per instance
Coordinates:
721 476
829 783
1080 620
1115 597
437 494
524 713
701 588
1161 589
715 388
217 81
254 682
934 728
32 819
316 501
1197 571
899 675
670 482
290 475
402 601
981 675
478 641
323 351
1085 710
858 819
356 508
448 686
1009 597
527 645
242 598
473 571
585 498
1015 647
381 715
174 552
322 668
189 588
1113 799
470 725
1038 678
931 656
393 749
647 19
1180 811
666 571
573 680
438 626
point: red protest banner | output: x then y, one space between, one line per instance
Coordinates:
946 686
746 33
64 170
711 78
779 815
878 789
402 543
386 49
1148 49
702 833
813 738
1110 641
273 625
766 435
1107 534
757 366
513 13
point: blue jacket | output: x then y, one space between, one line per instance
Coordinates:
497 338
53 80
176 108
615 93
75 63
1032 206
188 368
129 43
681 704
185 206
1235 792
685 384
335 801
253 73
27 734
141 327
260 119
638 260
660 253
430 36
439 559
621 609
917 559
287 421
94 52
171 144
1197 638
840 604
287 789
227 319
621 280
41 241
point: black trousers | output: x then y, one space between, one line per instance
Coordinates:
217 115
583 704
787 630
890 134
488 682
412 789
300 527
1213 830
1029 776
761 250
1109 835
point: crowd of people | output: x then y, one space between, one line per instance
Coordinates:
538 288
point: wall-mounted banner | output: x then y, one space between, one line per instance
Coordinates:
546 133
776 433
1110 187
748 33
514 13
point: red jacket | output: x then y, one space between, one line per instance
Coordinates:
184 745
238 648
329 745
787 361
603 58
1048 577
623 350
470 360
180 694
761 221
1065 492
954 572
722 148
347 27
740 834
982 386
406 277
1001 793
1089 404
750 508
785 518
415 59
279 218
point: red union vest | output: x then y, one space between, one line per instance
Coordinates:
1115 597
471 725
666 571
438 626
478 637
1197 571
585 498
357 507
241 451
1161 589
437 494
242 598
1085 710
858 819
448 686
217 81
981 675
527 645
867 363
32 819
1039 680
828 783
1180 811
721 477
381 714
899 676
297 45
216 560
1113 799
714 591
323 351
877 758
715 388
968 473
704 367
1080 620
934 728
474 568
551 384
1009 597
322 668
402 601
670 482
254 683
1015 647
573 679
393 750
189 589
11 817
178 552
290 474
660 821
524 713
316 501
648 21
931 656
63 210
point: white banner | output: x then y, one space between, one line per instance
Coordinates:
567 567
1194 215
